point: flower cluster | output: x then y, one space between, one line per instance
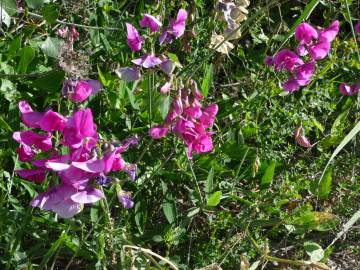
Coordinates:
314 43
81 170
233 15
189 121
174 30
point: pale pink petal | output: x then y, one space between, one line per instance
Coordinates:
129 74
90 195
150 21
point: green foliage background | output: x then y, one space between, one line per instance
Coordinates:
257 192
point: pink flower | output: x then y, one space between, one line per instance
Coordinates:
80 130
357 28
48 121
175 29
165 88
70 35
158 132
147 61
304 73
150 21
128 74
287 59
305 33
208 116
349 90
32 139
301 139
134 40
320 50
329 34
79 91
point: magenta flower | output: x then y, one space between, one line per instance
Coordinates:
79 91
147 61
269 61
134 40
70 35
320 50
189 121
158 132
34 175
175 29
128 74
305 33
305 72
29 138
150 21
48 121
329 34
80 130
286 59
357 28
349 90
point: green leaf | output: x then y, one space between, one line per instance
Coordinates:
344 142
4 124
205 86
50 13
314 250
324 187
317 124
214 199
36 3
52 81
9 6
168 204
27 54
51 46
268 175
132 97
52 250
339 123
209 185
5 17
14 47
140 216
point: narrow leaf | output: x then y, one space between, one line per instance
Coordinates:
214 199
268 175
205 86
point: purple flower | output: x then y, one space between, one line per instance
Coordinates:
151 22
34 175
287 59
175 29
48 121
128 74
291 85
349 90
79 91
320 50
305 33
80 130
357 28
32 139
158 132
269 61
305 72
147 61
167 66
125 199
329 34
134 40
